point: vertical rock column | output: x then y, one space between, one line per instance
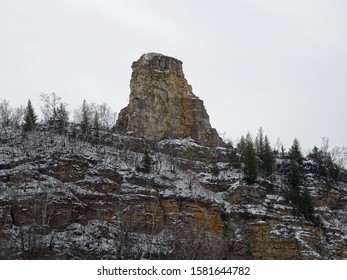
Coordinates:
162 104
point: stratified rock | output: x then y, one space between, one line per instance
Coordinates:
162 104
79 201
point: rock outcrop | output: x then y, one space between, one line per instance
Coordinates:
70 199
162 104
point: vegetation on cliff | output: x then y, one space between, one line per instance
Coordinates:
88 192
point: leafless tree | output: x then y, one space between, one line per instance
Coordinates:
107 116
339 156
5 114
50 104
17 116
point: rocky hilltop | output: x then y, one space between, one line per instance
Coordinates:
162 104
162 187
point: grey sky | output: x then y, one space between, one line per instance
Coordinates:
277 64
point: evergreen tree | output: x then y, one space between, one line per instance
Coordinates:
146 163
215 170
302 204
315 154
268 158
294 175
62 113
295 152
234 159
30 118
60 117
324 162
265 155
259 143
250 169
307 205
241 147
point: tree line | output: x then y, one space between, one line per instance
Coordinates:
55 115
258 160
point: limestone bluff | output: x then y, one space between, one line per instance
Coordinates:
162 104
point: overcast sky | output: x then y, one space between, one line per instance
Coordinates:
277 64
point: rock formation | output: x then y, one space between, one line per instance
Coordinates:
162 104
79 201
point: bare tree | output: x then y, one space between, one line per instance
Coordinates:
17 116
325 145
50 104
107 116
5 113
339 156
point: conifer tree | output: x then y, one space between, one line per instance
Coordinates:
215 170
295 152
250 169
234 159
241 147
61 113
60 117
268 158
307 205
259 143
30 118
146 163
294 175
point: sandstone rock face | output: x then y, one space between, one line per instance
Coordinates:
82 201
162 104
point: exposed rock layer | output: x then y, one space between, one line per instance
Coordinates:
162 104
84 201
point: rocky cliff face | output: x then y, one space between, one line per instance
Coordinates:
62 198
162 104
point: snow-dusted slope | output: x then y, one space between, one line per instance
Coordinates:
64 198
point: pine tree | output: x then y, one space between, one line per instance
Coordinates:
60 117
62 113
268 158
259 144
307 205
241 147
234 159
215 170
30 118
295 152
250 169
294 175
146 163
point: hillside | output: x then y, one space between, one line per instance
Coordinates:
121 197
159 183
